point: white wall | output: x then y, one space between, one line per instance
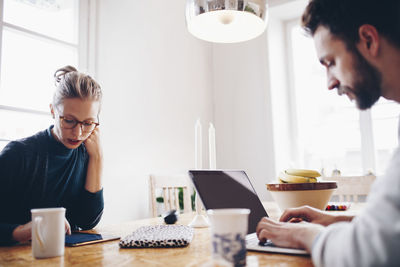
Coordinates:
243 110
251 100
157 81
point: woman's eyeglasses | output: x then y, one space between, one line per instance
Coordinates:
86 126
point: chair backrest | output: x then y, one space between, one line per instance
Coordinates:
169 186
351 187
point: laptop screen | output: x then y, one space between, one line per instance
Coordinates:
228 189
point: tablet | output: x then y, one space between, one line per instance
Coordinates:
80 239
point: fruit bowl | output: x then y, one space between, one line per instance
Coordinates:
290 195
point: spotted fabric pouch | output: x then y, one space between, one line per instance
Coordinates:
158 236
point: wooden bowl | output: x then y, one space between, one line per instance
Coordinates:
316 195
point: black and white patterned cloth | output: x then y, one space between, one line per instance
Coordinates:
158 236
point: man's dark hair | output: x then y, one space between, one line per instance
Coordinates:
344 17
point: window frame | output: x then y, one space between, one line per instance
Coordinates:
85 47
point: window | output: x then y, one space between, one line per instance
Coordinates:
330 132
36 38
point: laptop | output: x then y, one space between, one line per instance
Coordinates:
222 189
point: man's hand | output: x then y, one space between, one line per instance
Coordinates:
92 144
313 215
290 235
23 232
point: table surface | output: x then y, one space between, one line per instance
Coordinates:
109 253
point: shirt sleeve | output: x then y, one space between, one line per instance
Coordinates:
89 210
373 237
11 165
6 230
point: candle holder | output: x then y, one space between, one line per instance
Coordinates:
200 220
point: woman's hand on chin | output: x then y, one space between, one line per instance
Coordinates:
92 144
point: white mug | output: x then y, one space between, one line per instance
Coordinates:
48 232
228 235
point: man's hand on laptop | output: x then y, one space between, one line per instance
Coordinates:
312 215
291 235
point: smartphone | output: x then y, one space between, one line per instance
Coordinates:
80 239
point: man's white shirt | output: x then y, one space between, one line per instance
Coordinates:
373 237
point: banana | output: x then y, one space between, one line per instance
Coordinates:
303 172
281 181
288 178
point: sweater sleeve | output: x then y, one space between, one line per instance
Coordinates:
6 230
373 237
89 210
11 165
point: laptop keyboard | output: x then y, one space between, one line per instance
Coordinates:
253 241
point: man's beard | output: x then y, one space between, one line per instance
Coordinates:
367 86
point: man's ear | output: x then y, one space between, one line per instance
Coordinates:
368 44
52 110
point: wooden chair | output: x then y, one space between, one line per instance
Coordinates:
169 186
351 187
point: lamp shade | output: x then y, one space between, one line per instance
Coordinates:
226 21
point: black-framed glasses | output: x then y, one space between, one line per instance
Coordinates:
86 126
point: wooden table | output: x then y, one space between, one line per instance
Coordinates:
109 253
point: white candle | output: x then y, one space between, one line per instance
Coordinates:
197 145
211 147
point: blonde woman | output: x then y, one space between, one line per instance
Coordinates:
58 167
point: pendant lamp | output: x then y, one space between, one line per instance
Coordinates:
226 21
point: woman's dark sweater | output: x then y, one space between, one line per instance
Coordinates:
40 172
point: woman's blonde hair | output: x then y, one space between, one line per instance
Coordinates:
70 83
